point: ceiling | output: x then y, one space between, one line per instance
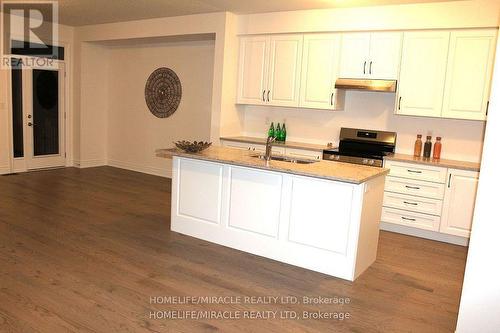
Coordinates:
85 12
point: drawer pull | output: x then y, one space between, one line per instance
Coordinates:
410 203
413 171
407 219
412 187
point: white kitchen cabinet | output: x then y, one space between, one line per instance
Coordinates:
370 55
459 201
468 75
423 72
269 70
355 50
253 69
320 65
284 70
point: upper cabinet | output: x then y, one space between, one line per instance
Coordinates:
468 74
253 67
446 74
370 55
269 70
320 65
440 73
423 72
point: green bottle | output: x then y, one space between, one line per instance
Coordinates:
271 132
283 133
277 133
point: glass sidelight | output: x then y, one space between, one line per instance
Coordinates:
45 117
17 110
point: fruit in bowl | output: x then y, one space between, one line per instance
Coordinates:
192 147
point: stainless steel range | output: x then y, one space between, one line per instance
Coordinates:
362 146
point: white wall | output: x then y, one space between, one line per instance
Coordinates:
462 139
480 303
133 132
91 145
439 15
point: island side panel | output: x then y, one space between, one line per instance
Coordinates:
369 229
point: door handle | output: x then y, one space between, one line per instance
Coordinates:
449 181
364 68
399 103
29 116
268 92
30 124
331 99
263 95
370 68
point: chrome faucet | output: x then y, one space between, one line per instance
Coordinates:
269 148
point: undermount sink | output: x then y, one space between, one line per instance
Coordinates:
287 159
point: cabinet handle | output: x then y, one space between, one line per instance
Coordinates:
407 219
449 181
399 103
413 171
331 99
487 107
370 69
263 95
364 68
268 92
410 203
412 187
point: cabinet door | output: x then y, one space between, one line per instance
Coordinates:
354 52
253 64
423 70
319 71
284 70
459 201
468 77
385 55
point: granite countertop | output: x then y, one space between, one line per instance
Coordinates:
471 166
287 144
329 170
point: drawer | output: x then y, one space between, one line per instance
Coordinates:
413 203
302 153
411 219
417 171
414 187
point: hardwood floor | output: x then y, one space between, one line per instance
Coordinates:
84 250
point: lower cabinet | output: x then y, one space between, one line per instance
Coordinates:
421 197
459 201
327 226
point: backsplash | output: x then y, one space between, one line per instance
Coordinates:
462 139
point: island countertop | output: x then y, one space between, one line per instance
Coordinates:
329 170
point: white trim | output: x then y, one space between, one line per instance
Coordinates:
150 170
4 169
437 236
89 163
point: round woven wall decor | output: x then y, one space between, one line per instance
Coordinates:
163 92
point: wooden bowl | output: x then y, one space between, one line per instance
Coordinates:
192 147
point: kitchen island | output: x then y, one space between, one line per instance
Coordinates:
323 216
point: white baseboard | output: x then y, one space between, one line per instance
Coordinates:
89 163
437 236
4 169
162 172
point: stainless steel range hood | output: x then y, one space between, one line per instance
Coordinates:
368 85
